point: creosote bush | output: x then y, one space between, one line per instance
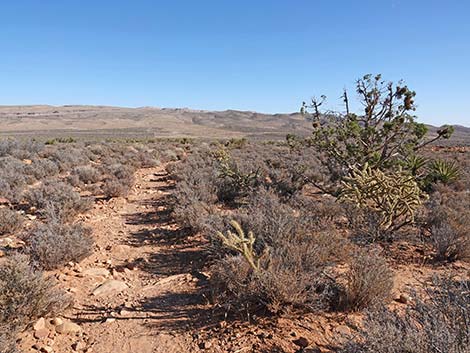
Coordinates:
53 245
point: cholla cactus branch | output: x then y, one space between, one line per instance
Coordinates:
395 195
242 243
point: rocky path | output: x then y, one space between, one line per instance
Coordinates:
140 290
143 290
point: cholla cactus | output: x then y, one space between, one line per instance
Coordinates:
241 243
395 195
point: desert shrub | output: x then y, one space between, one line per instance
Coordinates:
195 191
53 245
288 173
25 294
320 214
87 174
20 149
10 221
113 187
118 180
448 222
369 281
290 274
67 157
40 168
365 226
144 159
438 324
58 196
169 155
237 177
13 177
122 172
270 219
7 340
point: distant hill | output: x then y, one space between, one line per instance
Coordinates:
103 121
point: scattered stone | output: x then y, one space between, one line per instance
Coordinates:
125 312
404 299
68 327
111 286
343 330
110 320
40 324
57 321
301 342
2 253
78 346
41 333
96 272
47 349
312 350
132 266
31 217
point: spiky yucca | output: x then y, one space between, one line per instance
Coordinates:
444 171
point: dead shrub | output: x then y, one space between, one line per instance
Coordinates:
53 245
25 294
438 324
369 281
10 221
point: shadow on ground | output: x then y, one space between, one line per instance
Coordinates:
180 305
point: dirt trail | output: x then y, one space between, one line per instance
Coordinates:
137 244
161 306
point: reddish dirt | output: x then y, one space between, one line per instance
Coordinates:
165 307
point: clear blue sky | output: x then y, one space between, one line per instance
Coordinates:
258 55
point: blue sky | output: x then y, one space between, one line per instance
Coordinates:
259 55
